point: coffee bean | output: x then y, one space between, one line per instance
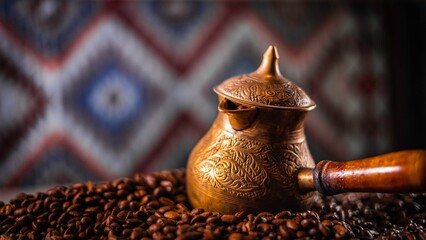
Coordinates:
241 214
313 231
172 215
264 227
75 213
134 222
307 223
198 218
153 204
283 214
132 208
340 231
136 233
169 229
153 228
152 219
165 209
190 236
300 234
197 211
292 224
235 236
182 207
286 232
213 220
279 221
229 219
19 212
250 226
327 223
267 215
166 201
324 230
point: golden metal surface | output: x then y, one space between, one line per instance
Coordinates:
250 157
255 156
305 180
266 87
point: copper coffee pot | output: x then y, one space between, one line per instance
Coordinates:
255 156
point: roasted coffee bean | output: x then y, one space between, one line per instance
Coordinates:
307 223
324 230
134 222
340 231
136 233
189 236
283 214
166 201
19 212
241 214
182 207
267 215
198 218
235 236
213 220
229 219
286 232
169 229
172 215
152 219
186 217
165 209
279 221
264 227
300 234
292 224
197 211
155 206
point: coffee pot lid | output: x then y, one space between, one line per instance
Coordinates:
266 87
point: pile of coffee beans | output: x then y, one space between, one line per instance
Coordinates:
155 206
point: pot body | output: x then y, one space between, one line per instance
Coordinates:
253 169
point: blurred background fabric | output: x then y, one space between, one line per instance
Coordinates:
95 90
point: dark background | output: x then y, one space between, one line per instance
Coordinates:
407 52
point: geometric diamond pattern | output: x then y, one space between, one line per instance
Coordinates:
48 27
298 26
93 90
21 104
55 160
110 99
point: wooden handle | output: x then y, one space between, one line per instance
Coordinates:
401 172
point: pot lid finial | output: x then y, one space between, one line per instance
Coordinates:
270 65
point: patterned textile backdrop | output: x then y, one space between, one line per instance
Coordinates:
94 90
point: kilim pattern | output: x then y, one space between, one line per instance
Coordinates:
94 90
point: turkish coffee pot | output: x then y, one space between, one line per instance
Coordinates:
255 156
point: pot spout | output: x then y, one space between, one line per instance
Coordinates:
240 116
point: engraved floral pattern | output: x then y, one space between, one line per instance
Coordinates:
276 93
245 168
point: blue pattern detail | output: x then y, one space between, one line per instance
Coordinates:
48 40
58 165
243 62
178 26
112 123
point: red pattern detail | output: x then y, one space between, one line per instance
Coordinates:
182 65
10 137
184 120
55 62
56 139
298 53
